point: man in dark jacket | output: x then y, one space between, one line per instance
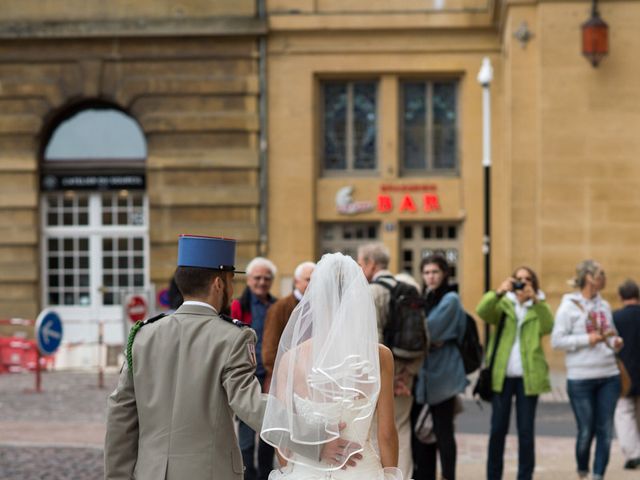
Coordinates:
627 417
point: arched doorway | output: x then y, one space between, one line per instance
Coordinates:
95 218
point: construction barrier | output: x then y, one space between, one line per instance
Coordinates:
20 354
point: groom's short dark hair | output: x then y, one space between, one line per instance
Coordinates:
195 281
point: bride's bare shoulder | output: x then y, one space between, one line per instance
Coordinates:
386 357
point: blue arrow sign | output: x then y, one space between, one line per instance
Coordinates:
48 332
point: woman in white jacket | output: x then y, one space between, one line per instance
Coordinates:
584 329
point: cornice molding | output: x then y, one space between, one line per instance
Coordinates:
188 27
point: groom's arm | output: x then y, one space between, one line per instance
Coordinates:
243 390
121 440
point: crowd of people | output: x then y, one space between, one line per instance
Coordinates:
583 327
603 368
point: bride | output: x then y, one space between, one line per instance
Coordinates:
331 377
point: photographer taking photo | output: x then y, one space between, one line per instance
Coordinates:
520 368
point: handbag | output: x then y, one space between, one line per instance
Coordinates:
424 425
484 386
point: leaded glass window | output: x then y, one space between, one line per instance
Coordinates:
349 125
429 125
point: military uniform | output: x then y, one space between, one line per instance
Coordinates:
172 416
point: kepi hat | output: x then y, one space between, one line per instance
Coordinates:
214 253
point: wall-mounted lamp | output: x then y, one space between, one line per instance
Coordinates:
595 37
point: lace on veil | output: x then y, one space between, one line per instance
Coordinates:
327 367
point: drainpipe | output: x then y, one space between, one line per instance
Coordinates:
263 246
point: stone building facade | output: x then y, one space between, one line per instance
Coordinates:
187 74
305 126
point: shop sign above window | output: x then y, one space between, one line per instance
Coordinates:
347 206
415 198
53 182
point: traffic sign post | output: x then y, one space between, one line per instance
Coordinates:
136 308
48 332
48 338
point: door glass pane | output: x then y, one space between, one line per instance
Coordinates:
123 267
346 237
65 276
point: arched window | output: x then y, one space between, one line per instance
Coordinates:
97 134
95 220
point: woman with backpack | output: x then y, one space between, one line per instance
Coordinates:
442 376
519 368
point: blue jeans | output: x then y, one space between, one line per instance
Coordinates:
500 417
594 402
247 442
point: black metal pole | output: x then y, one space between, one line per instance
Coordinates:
486 247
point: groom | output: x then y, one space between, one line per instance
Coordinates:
186 375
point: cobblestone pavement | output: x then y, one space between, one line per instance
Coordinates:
58 434
49 463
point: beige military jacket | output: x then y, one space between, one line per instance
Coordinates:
172 417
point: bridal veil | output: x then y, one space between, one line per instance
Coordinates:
327 368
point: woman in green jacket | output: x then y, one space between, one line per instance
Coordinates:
520 368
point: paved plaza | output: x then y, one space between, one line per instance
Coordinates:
58 434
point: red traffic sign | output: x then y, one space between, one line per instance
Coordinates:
136 308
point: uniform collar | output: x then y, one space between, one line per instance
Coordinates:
196 308
201 304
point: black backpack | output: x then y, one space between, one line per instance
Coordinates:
470 347
405 333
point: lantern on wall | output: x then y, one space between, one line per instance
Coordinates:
595 37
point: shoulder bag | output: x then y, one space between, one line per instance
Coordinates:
483 387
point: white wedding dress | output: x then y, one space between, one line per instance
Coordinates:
368 468
326 379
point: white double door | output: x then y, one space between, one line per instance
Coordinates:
94 251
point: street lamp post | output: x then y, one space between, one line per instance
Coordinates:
485 76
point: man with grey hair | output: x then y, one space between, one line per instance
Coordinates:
278 316
627 416
251 309
373 258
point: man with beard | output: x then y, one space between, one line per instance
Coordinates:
192 371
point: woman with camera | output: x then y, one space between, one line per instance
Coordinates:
520 369
584 328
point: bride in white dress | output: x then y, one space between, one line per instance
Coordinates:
331 378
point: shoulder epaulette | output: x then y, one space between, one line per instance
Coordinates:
235 321
132 336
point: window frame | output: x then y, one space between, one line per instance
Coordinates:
94 231
346 245
349 170
429 158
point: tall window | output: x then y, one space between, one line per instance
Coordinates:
349 125
429 128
